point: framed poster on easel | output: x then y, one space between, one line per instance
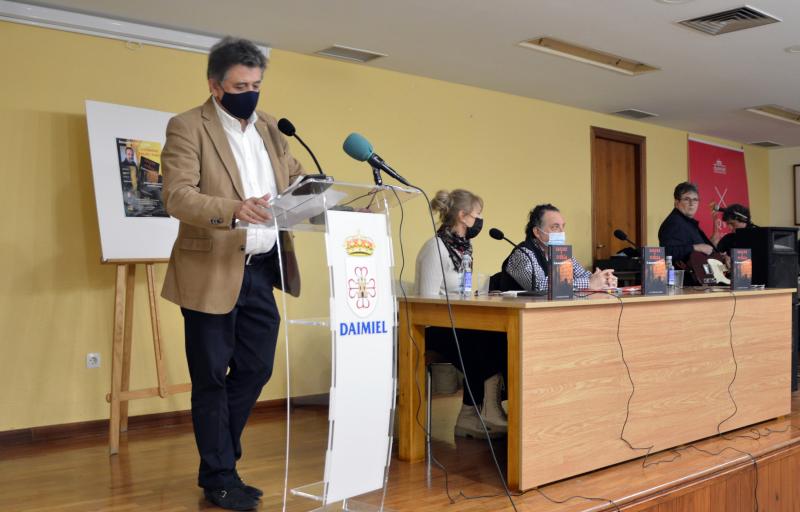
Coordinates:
125 145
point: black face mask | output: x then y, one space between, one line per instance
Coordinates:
240 105
475 229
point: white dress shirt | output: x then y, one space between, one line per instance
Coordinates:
255 170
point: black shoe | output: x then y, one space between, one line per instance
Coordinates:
253 492
233 498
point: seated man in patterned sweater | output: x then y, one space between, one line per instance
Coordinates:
543 220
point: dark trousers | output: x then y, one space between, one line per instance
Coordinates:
484 354
230 359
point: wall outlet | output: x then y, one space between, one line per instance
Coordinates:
93 360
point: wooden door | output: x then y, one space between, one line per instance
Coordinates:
618 171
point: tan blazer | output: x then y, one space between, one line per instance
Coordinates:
202 188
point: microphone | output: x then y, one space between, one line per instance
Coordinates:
620 235
499 235
630 253
287 128
533 292
359 148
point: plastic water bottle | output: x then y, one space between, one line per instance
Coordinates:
466 275
670 272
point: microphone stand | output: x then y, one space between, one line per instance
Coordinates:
533 292
376 175
313 157
310 187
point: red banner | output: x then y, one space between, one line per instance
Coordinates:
721 180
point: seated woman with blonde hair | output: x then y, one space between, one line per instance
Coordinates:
483 352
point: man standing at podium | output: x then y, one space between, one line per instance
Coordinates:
222 161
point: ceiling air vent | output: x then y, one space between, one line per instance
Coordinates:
586 55
730 21
777 112
352 54
765 144
632 113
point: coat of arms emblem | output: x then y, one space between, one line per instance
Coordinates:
362 287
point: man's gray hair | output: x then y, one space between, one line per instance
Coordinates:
230 51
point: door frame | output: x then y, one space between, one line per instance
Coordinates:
640 142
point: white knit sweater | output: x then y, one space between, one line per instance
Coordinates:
429 280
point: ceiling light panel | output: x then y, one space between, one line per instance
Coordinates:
777 112
586 55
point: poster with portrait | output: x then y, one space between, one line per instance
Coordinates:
140 178
125 145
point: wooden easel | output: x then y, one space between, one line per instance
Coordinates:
121 349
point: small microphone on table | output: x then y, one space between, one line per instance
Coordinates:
620 235
533 292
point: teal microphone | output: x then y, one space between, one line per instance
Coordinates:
359 148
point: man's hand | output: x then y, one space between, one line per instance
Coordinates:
717 234
603 279
254 210
704 248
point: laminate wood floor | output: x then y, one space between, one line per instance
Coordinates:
156 469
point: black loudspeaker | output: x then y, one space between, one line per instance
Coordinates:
775 264
795 343
774 255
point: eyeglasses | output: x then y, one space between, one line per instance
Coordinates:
690 200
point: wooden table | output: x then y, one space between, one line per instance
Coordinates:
568 385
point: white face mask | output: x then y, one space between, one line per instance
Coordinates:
556 238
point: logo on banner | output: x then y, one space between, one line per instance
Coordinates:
720 168
362 288
721 198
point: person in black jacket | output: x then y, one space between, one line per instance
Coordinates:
736 216
680 233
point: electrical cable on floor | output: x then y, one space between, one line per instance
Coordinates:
467 387
466 383
416 347
676 451
646 449
752 433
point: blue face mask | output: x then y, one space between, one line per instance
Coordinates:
241 105
556 238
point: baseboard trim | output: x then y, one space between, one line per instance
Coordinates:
99 428
320 399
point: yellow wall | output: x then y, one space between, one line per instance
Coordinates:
56 300
781 172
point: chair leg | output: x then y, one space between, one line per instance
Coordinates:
428 424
